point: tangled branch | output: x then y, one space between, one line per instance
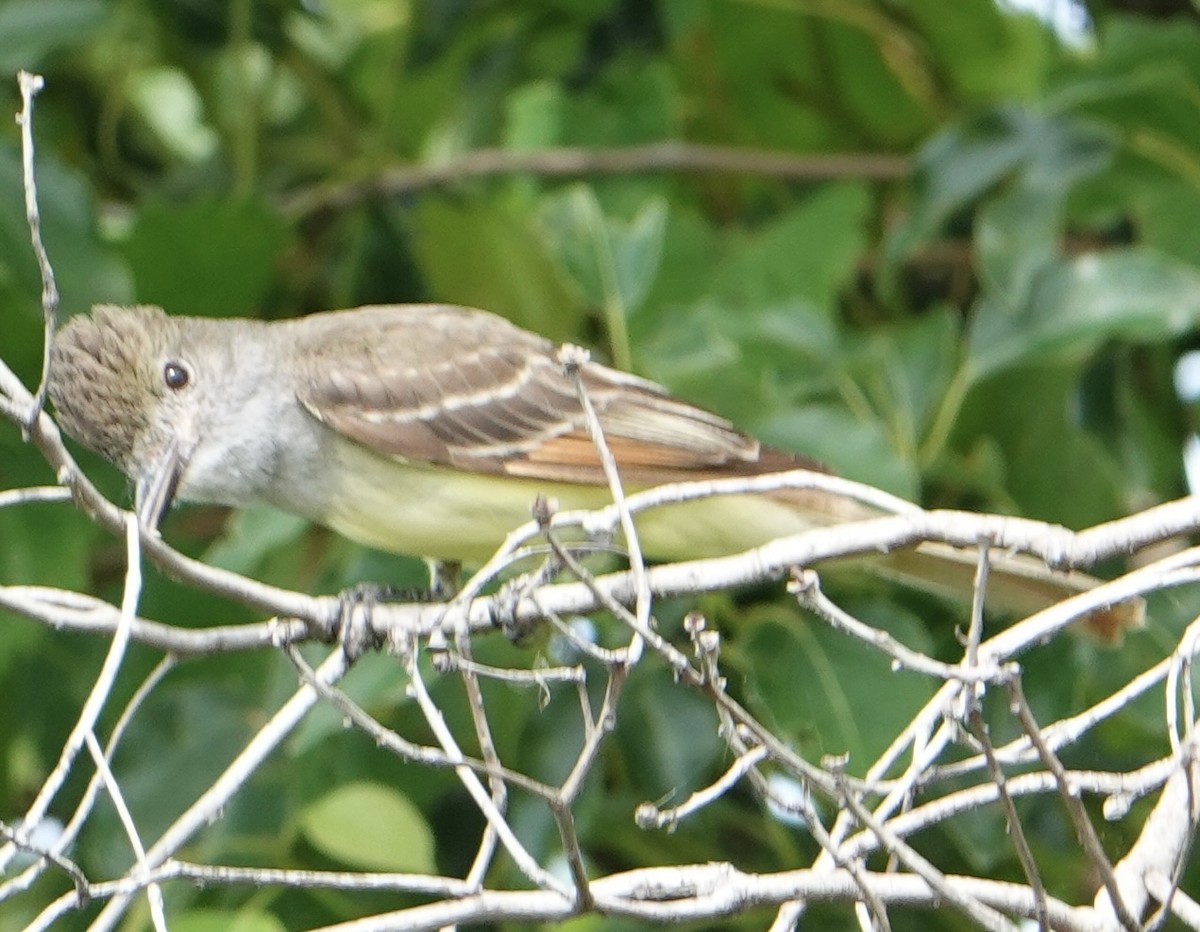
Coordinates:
942 765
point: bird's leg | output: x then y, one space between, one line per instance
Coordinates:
445 577
355 631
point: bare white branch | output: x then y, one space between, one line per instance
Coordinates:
30 85
212 802
939 766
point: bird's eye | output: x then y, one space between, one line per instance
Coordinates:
176 375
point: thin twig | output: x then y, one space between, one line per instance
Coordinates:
666 156
112 788
398 745
648 815
64 610
538 676
585 646
226 875
1084 830
39 493
1065 731
805 586
573 360
1179 686
1166 891
83 808
20 839
684 892
979 912
487 747
642 632
213 801
433 716
31 84
789 913
606 719
129 602
975 629
974 798
1011 817
93 705
1168 833
773 560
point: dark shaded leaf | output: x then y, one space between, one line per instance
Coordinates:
211 256
31 28
822 688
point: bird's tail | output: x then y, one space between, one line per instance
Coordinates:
1017 584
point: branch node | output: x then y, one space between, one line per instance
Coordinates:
543 510
572 357
803 582
835 763
355 629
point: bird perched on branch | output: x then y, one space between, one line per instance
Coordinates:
430 430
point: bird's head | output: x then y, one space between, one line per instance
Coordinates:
121 384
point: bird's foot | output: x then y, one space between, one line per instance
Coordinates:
355 629
445 579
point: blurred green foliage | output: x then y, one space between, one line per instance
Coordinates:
992 329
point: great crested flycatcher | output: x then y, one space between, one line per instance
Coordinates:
425 429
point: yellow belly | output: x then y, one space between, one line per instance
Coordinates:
455 515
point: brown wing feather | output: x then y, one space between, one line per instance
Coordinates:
467 389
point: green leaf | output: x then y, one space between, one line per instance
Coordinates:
610 261
1047 152
223 920
534 116
486 253
1076 305
636 102
1165 212
855 448
44 542
905 371
31 28
985 50
766 332
823 688
1017 232
371 826
1031 420
745 365
953 169
1017 235
87 270
670 733
210 256
809 252
252 533
612 264
776 71
171 108
881 77
1136 48
690 245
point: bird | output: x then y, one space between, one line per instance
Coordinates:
431 429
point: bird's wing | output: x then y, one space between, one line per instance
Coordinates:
463 388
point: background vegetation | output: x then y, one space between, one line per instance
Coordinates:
964 277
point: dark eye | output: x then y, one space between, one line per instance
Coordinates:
176 375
